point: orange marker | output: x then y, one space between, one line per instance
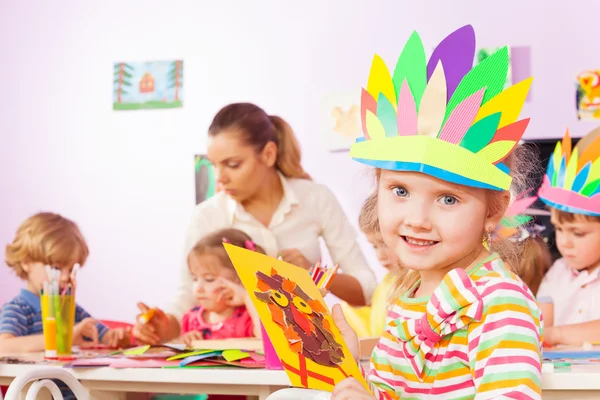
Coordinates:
147 316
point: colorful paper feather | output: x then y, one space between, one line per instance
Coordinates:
449 100
572 177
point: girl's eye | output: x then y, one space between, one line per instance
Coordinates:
399 191
579 234
233 165
449 200
209 279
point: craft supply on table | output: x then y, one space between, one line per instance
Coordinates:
58 316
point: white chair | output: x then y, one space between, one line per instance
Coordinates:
299 394
42 378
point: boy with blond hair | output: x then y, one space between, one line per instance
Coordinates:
46 239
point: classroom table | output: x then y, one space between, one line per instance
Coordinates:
111 384
576 382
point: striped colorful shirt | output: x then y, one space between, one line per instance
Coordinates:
478 336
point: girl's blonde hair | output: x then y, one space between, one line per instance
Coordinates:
49 239
522 162
257 128
213 244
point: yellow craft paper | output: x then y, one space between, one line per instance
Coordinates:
247 263
433 104
434 152
234 355
571 169
189 354
380 81
508 102
137 351
374 126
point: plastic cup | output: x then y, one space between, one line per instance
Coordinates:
58 320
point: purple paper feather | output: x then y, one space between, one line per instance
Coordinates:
456 52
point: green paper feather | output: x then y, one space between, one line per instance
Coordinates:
480 133
590 188
387 115
490 74
412 66
516 221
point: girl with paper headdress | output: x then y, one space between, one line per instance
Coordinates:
442 136
570 292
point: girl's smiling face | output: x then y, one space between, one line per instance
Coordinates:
432 224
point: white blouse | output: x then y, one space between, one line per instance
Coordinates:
307 211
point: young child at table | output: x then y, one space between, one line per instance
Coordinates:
442 138
369 321
47 239
224 309
570 292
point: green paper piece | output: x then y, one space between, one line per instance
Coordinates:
234 355
590 188
190 354
137 351
412 66
480 133
516 221
387 116
489 74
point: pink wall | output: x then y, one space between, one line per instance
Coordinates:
127 178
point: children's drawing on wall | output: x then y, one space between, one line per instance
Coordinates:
206 182
147 85
519 63
341 120
588 95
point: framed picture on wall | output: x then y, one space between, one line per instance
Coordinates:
340 120
206 183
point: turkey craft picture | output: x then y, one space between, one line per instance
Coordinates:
296 319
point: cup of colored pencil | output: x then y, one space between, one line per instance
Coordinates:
58 316
322 275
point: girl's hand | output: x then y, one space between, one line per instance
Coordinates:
294 257
552 336
350 389
189 337
119 337
85 329
347 332
233 294
154 331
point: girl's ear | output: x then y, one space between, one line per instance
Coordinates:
497 211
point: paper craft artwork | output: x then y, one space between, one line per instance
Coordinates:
206 183
588 95
442 116
145 85
340 120
309 345
572 179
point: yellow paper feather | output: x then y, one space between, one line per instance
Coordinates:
380 81
496 151
594 172
571 171
508 102
374 126
433 104
557 157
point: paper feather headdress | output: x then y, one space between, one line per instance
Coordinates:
572 180
443 117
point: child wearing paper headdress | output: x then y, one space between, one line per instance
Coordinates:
442 136
369 321
570 292
519 227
